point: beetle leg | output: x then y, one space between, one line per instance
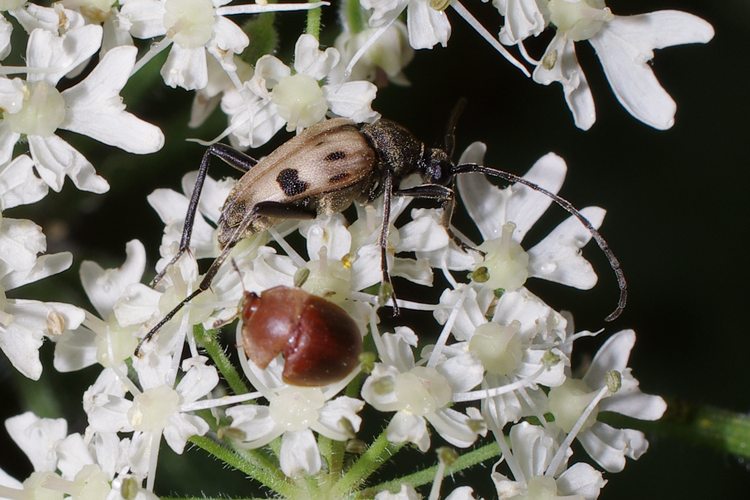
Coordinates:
282 210
447 199
386 286
233 158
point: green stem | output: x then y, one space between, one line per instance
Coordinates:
207 340
254 464
313 21
379 452
722 430
352 12
426 476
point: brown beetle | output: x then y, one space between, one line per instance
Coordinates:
319 341
327 167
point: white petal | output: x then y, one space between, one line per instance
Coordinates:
37 437
559 64
95 108
253 120
612 355
581 479
213 195
75 350
299 453
464 372
523 18
186 68
56 158
255 422
21 346
427 26
197 382
20 242
558 256
352 100
137 305
461 493
73 455
624 47
491 207
5 31
454 427
381 376
405 427
329 232
311 61
146 17
104 287
339 417
609 446
19 185
229 37
181 427
61 53
53 19
46 265
423 232
8 139
11 93
636 405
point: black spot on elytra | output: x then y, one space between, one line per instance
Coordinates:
290 183
335 156
338 177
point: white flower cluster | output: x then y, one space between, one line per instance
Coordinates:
500 368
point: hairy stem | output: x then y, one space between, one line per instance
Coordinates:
208 340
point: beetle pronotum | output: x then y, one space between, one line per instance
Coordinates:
331 165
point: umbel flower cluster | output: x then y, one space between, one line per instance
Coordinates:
487 375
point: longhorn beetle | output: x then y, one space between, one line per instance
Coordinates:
326 168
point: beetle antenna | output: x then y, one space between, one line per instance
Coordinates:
614 263
449 144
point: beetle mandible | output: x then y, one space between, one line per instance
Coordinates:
329 166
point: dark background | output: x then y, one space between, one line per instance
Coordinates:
677 219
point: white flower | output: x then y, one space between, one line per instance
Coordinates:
607 385
93 107
532 451
383 61
504 216
159 408
625 47
102 339
516 339
25 323
294 413
196 29
427 26
421 394
275 96
142 305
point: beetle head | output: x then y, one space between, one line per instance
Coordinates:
438 167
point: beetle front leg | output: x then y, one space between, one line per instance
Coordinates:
231 157
447 199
